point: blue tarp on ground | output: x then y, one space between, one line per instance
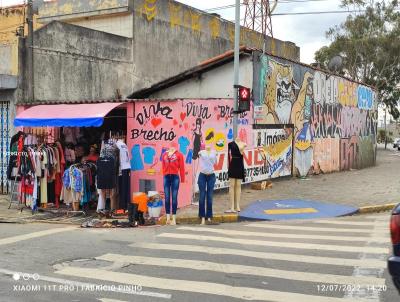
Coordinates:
293 209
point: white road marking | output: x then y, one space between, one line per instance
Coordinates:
84 285
308 228
363 292
307 246
110 300
367 263
29 236
348 222
281 235
242 269
218 289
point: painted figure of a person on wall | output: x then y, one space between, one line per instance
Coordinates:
197 138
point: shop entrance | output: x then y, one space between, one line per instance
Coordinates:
74 159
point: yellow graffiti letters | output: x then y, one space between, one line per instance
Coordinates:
215 28
347 93
150 9
175 14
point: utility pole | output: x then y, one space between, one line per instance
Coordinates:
29 48
236 68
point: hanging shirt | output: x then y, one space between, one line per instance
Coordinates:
207 161
125 162
70 134
30 140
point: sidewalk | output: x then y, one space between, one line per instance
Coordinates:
378 185
372 186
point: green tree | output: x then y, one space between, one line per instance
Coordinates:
369 42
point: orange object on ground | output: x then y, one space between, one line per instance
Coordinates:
141 200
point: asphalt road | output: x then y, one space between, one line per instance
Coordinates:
341 259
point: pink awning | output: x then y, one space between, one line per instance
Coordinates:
65 115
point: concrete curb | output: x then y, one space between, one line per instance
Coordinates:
376 208
221 218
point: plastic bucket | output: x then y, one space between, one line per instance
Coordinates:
154 211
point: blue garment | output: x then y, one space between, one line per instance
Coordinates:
230 134
171 187
149 153
184 143
77 182
86 191
189 157
206 189
66 179
162 153
136 161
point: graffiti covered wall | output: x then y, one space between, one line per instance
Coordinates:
153 127
334 119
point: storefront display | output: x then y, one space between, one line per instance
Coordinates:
73 171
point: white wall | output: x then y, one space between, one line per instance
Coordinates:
121 25
216 83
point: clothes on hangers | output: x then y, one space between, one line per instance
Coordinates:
78 181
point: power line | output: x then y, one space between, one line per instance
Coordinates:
242 4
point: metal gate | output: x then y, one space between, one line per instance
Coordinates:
4 145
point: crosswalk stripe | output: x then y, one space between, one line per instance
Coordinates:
348 222
28 236
308 246
201 287
110 300
242 269
381 239
365 263
308 228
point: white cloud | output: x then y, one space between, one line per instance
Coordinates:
307 31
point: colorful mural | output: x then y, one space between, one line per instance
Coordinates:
334 119
187 125
278 149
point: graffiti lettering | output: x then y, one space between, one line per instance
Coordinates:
151 111
348 153
340 121
195 110
325 121
150 135
365 98
273 139
225 111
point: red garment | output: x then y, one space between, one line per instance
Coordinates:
91 157
57 189
174 164
58 180
20 147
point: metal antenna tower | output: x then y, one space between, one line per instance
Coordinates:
258 16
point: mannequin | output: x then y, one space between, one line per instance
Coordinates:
173 165
206 182
235 172
124 175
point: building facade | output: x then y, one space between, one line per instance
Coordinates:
306 120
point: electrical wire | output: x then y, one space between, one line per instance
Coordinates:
243 4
